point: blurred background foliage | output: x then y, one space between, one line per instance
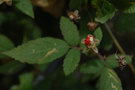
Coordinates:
18 26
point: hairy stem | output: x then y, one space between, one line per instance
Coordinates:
118 46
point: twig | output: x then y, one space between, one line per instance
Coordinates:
79 48
100 56
118 46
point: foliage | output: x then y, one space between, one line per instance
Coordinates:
5 45
109 80
98 34
25 6
106 12
48 50
42 52
71 61
69 31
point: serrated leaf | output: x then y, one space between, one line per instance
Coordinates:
125 25
106 12
98 34
92 67
26 81
130 9
11 68
26 7
109 80
39 51
5 45
69 31
71 61
113 63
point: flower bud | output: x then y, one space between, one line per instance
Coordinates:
92 25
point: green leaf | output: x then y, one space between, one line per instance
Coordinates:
5 45
113 63
92 67
125 25
109 80
11 68
106 12
75 5
71 61
26 81
69 31
39 51
98 34
26 7
130 9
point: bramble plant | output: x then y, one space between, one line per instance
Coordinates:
82 50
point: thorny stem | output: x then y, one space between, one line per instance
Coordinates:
118 46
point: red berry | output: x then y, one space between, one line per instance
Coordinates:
89 40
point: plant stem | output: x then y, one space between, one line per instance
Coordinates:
118 46
79 48
114 39
100 56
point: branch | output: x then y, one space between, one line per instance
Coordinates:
118 46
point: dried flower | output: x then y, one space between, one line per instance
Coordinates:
121 60
92 25
74 15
